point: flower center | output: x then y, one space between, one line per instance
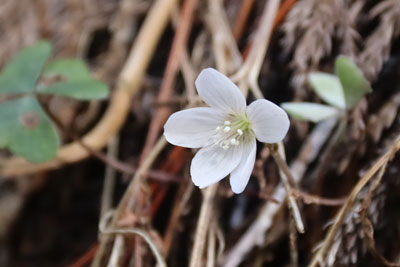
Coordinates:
235 130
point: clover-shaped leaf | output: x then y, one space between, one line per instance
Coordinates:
26 130
310 111
328 88
75 81
70 69
354 84
86 89
20 76
24 126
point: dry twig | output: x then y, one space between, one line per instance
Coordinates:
247 75
124 231
171 70
367 225
203 226
289 183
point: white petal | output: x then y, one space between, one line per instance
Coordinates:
219 91
193 127
241 174
213 163
269 122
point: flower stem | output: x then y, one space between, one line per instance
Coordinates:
288 183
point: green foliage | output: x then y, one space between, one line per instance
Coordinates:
20 76
328 88
310 111
80 89
25 128
70 69
342 92
354 84
75 81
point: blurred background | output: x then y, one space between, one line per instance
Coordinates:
149 53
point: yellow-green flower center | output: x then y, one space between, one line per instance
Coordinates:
235 130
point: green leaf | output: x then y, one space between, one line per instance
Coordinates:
81 89
26 130
3 135
21 74
70 69
310 111
328 88
77 82
355 86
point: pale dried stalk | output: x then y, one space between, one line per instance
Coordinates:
128 86
171 71
368 229
137 231
118 246
125 204
319 257
137 63
188 77
188 72
248 74
294 253
224 44
343 251
198 55
278 153
103 240
106 199
109 178
203 226
211 246
183 197
132 189
220 237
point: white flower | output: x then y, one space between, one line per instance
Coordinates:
226 131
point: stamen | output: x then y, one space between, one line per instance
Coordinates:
230 132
